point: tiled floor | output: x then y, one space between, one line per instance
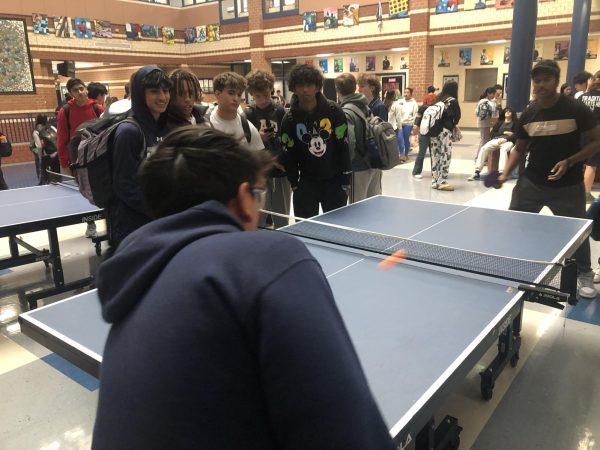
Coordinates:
551 400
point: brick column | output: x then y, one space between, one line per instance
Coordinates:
257 39
420 52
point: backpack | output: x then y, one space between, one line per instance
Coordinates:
431 123
419 115
5 146
381 142
67 109
482 110
48 136
243 118
91 164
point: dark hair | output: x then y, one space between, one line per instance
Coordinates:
127 90
563 87
582 77
450 89
431 89
95 89
502 114
41 119
260 81
488 91
74 82
229 80
180 78
372 81
156 79
410 89
547 67
305 74
194 164
595 82
345 84
498 86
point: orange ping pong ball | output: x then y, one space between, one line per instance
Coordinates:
395 258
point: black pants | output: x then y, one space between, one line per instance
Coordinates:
48 162
3 185
310 193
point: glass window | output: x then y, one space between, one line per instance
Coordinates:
195 2
242 8
228 10
477 80
278 6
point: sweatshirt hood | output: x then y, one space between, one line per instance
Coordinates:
357 99
138 102
124 278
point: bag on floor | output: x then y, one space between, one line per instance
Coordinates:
5 147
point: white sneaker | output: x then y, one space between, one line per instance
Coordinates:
585 283
597 274
418 176
90 232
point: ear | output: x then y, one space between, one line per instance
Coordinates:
324 134
243 206
306 138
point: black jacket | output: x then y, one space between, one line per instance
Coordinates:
174 121
271 116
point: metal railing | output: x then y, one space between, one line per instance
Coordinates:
18 127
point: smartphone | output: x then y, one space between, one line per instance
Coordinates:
269 129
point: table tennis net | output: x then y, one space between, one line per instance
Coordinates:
538 273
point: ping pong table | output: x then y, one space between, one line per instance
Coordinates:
43 208
418 330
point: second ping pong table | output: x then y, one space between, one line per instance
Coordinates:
43 208
418 330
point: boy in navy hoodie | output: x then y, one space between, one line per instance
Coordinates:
223 337
131 142
314 131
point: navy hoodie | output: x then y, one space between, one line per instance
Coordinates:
127 212
226 339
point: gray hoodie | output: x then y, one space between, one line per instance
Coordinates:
356 131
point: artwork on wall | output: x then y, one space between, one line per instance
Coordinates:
592 50
323 64
351 14
338 65
446 6
40 24
370 63
16 74
83 28
464 56
213 33
133 31
561 50
537 52
403 62
487 57
386 64
474 4
444 60
353 64
398 8
150 31
62 27
506 58
501 4
103 29
309 20
168 35
201 33
447 78
330 18
505 85
189 35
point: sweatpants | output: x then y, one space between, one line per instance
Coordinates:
441 154
311 193
492 146
365 184
278 199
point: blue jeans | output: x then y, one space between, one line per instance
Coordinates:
400 137
406 131
424 142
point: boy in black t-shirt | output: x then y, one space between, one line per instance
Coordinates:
550 130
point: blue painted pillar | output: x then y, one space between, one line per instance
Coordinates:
579 38
521 53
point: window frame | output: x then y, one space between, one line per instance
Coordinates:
197 2
281 12
237 18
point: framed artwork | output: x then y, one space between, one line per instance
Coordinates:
338 65
447 78
83 28
189 35
103 29
464 56
16 73
168 35
444 58
446 6
487 57
370 65
330 18
62 27
351 14
501 4
398 8
403 63
386 64
201 33
474 4
353 64
309 20
133 31
323 64
213 33
561 50
592 50
150 31
40 24
504 85
506 54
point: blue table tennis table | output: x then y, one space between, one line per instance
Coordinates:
418 330
43 208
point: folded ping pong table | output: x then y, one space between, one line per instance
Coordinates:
43 208
417 330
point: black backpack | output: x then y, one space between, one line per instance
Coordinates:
74 142
5 146
48 136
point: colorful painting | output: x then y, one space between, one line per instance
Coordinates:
40 24
370 66
474 4
189 35
351 14
309 20
398 8
201 33
150 31
16 75
506 54
62 27
464 56
330 18
446 6
168 35
323 64
403 63
338 65
353 64
133 31
561 50
213 33
487 57
103 29
444 60
592 50
501 4
386 64
83 28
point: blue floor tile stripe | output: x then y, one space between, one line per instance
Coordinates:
587 311
69 370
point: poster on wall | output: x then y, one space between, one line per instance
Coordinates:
386 64
83 28
62 27
168 35
40 24
501 4
506 58
398 8
444 60
474 4
213 33
150 31
592 50
448 78
189 35
351 14
309 62
464 56
324 65
309 20
133 31
201 33
353 64
446 6
537 52
103 29
338 65
505 85
403 63
370 63
16 75
561 50
330 18
487 57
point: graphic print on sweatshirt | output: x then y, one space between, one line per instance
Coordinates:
316 139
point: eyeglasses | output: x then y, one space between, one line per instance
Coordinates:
260 195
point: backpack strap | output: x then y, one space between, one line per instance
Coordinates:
246 127
67 109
